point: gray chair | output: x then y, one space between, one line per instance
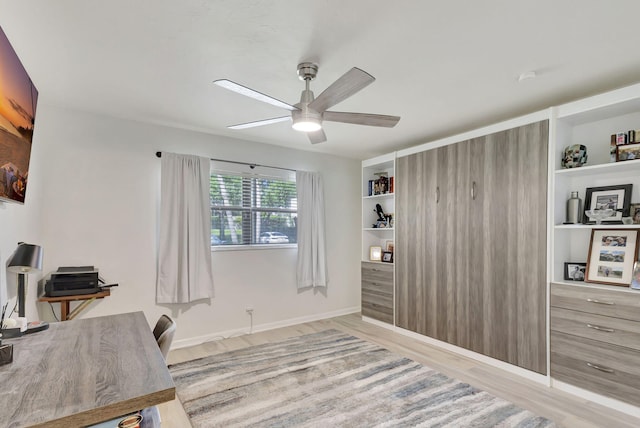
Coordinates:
163 332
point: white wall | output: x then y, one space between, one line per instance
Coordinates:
98 205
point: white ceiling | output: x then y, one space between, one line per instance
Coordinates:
444 66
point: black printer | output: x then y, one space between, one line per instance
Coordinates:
70 281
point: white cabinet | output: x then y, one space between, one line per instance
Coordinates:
589 122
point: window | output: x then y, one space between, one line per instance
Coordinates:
252 209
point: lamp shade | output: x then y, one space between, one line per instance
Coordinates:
26 258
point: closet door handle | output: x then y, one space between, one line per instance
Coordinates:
600 302
601 368
437 194
597 327
473 190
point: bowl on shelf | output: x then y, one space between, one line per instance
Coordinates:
599 215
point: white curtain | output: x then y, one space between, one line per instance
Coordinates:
184 254
312 256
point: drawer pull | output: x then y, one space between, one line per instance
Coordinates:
600 302
597 327
602 369
375 270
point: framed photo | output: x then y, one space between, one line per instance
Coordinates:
628 152
617 198
574 271
634 212
389 246
375 253
612 255
387 257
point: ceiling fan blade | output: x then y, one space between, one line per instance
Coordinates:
248 92
361 118
317 137
259 123
350 83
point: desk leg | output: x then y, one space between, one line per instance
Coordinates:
64 310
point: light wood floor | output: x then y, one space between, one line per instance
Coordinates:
564 409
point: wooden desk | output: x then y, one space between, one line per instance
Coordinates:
65 315
82 372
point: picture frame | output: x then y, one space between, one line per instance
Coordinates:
389 246
627 152
375 253
634 213
616 197
387 257
574 271
612 255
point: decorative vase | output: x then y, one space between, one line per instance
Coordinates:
574 156
574 209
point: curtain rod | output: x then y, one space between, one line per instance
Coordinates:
251 165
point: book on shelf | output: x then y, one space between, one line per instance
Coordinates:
380 186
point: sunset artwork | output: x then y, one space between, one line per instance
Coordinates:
18 98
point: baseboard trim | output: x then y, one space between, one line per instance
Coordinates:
519 371
612 403
193 341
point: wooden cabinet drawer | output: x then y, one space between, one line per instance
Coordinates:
377 291
604 369
619 304
377 272
378 307
615 331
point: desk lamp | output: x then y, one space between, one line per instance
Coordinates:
26 259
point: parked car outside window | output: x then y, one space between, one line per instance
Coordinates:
216 241
273 238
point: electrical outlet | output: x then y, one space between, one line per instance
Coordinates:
249 310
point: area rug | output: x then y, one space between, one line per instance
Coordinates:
331 379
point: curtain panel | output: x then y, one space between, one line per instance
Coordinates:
312 255
184 253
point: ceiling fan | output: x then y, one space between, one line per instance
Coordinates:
308 114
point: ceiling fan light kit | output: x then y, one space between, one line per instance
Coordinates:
308 115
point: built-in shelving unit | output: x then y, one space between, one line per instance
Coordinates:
581 355
378 290
376 236
590 122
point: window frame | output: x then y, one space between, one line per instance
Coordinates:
250 179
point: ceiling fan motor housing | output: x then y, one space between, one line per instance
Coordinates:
307 71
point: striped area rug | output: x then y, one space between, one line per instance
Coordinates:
331 379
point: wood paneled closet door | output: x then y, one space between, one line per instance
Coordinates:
471 244
416 242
